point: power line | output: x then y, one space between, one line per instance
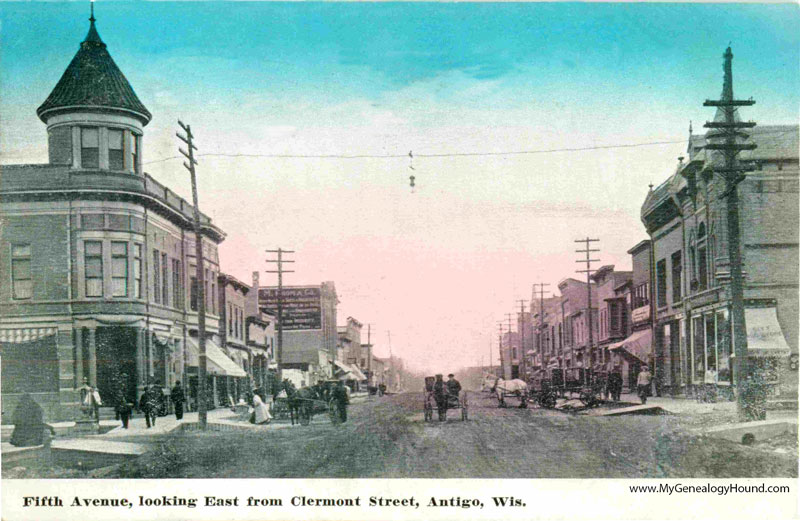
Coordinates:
433 155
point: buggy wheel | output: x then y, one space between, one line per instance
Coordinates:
548 400
587 398
304 414
428 408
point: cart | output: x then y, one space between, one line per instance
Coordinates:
448 402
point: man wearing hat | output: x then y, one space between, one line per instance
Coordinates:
643 383
453 387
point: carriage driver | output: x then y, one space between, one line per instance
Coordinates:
453 387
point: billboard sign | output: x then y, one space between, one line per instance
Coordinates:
302 307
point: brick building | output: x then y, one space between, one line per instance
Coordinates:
686 220
97 255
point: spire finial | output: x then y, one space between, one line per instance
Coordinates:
91 18
690 128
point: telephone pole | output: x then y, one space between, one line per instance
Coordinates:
369 354
500 346
202 410
511 346
541 316
588 271
523 366
280 261
726 137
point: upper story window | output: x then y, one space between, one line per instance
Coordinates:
90 147
21 282
641 295
661 282
137 270
156 277
116 151
677 270
93 268
119 269
137 143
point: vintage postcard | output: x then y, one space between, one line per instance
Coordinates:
267 260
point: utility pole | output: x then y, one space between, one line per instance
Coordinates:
280 261
523 366
369 354
588 271
511 346
202 409
541 316
500 345
723 137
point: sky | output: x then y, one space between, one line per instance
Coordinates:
433 268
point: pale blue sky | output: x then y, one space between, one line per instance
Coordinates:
387 78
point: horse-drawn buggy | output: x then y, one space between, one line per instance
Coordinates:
503 389
300 405
437 397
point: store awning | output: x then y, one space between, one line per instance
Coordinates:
639 345
218 362
342 367
764 335
357 372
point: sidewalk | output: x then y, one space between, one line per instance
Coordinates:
691 407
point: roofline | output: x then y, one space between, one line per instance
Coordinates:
224 277
639 246
144 118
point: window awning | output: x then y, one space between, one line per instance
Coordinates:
218 362
764 335
638 345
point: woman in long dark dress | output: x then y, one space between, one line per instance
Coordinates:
29 425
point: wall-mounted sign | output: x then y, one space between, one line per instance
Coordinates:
301 307
641 314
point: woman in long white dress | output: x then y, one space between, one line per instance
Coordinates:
261 415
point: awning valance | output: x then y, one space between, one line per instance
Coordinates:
218 362
764 335
30 334
639 344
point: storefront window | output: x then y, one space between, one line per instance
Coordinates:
723 346
711 352
698 350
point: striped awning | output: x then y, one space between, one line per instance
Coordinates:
27 334
218 362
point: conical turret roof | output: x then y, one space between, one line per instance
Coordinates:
93 81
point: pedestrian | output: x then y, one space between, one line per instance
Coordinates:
91 402
339 394
149 405
643 383
710 380
29 423
261 415
122 407
178 398
615 384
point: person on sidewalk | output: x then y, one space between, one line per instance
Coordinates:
122 407
340 395
710 380
643 384
261 415
149 405
615 384
29 426
178 398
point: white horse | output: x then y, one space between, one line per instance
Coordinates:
501 388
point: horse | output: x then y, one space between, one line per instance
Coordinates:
501 387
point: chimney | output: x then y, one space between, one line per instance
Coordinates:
255 280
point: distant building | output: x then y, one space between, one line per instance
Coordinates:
309 326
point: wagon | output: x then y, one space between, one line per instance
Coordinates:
303 409
562 383
448 402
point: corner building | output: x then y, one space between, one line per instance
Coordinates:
97 257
